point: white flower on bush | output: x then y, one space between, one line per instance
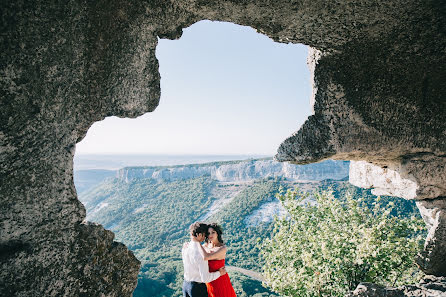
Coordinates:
326 248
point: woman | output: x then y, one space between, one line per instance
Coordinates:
214 251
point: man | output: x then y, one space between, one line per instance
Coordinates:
196 269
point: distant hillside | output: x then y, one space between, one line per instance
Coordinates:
152 219
225 171
87 179
150 209
118 161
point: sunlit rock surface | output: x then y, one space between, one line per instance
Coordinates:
235 171
414 179
266 213
382 181
418 177
379 72
433 259
429 287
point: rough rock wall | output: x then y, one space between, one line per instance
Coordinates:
380 98
430 286
379 72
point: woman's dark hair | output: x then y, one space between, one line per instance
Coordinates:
217 229
198 228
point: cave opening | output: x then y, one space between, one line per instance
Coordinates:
227 93
379 84
67 66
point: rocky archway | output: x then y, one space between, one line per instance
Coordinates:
379 96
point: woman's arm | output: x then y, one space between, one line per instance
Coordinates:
217 255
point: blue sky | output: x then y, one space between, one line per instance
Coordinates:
225 89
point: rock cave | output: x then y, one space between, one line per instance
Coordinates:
379 73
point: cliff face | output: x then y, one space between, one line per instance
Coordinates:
241 171
379 96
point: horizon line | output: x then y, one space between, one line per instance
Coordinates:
171 154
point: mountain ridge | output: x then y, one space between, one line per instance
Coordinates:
240 170
151 215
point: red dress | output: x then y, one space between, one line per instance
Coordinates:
221 287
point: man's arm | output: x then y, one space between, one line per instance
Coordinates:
205 275
203 268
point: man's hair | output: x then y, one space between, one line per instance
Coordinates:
198 228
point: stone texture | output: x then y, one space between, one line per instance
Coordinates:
429 287
433 259
414 178
381 100
420 176
382 181
379 72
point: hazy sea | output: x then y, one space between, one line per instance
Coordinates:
114 162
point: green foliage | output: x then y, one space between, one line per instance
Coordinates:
152 219
243 240
147 214
244 286
327 246
401 208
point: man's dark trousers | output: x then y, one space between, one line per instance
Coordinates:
194 289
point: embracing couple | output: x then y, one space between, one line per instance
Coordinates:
204 265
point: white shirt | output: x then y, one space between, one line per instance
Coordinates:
196 269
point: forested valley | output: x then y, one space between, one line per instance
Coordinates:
152 216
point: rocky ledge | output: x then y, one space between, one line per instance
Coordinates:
430 286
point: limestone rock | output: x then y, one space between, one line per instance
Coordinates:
382 181
240 171
422 178
433 258
379 96
430 286
68 264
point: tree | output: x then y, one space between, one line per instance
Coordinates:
327 246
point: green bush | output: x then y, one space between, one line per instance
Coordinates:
327 246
